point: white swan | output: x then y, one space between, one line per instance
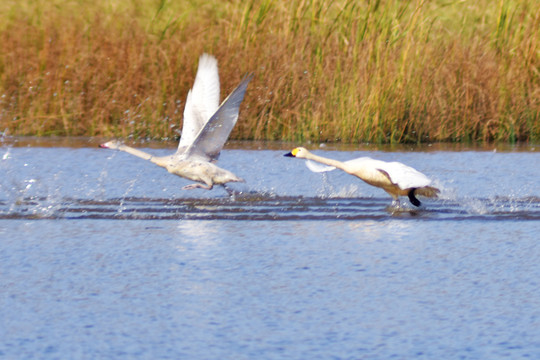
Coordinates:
395 178
205 130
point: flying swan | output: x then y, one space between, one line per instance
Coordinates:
395 178
205 130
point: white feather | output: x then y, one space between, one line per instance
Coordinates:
202 101
317 167
400 174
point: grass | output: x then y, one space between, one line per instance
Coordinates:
394 71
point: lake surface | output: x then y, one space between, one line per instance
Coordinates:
102 255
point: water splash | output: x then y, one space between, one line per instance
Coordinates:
6 154
256 206
58 183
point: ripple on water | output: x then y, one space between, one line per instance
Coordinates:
267 207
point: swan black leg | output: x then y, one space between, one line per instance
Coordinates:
413 198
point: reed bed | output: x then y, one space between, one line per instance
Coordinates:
391 71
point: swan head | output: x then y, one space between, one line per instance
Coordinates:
298 152
114 144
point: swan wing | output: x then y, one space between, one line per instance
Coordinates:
404 176
202 100
318 168
400 174
213 135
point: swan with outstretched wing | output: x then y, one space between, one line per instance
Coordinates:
207 126
395 178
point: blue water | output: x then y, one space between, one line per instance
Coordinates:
103 256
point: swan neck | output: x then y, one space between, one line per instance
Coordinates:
135 152
326 161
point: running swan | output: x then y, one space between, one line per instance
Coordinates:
204 132
395 178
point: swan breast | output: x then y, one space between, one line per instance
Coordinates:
201 171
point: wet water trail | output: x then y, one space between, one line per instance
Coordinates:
263 207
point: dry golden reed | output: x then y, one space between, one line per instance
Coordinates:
325 71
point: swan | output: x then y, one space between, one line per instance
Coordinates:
395 178
205 130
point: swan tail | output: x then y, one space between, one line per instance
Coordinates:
427 191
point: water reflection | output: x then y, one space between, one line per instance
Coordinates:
370 230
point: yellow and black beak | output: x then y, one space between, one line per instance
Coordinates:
292 153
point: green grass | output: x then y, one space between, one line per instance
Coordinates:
325 71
